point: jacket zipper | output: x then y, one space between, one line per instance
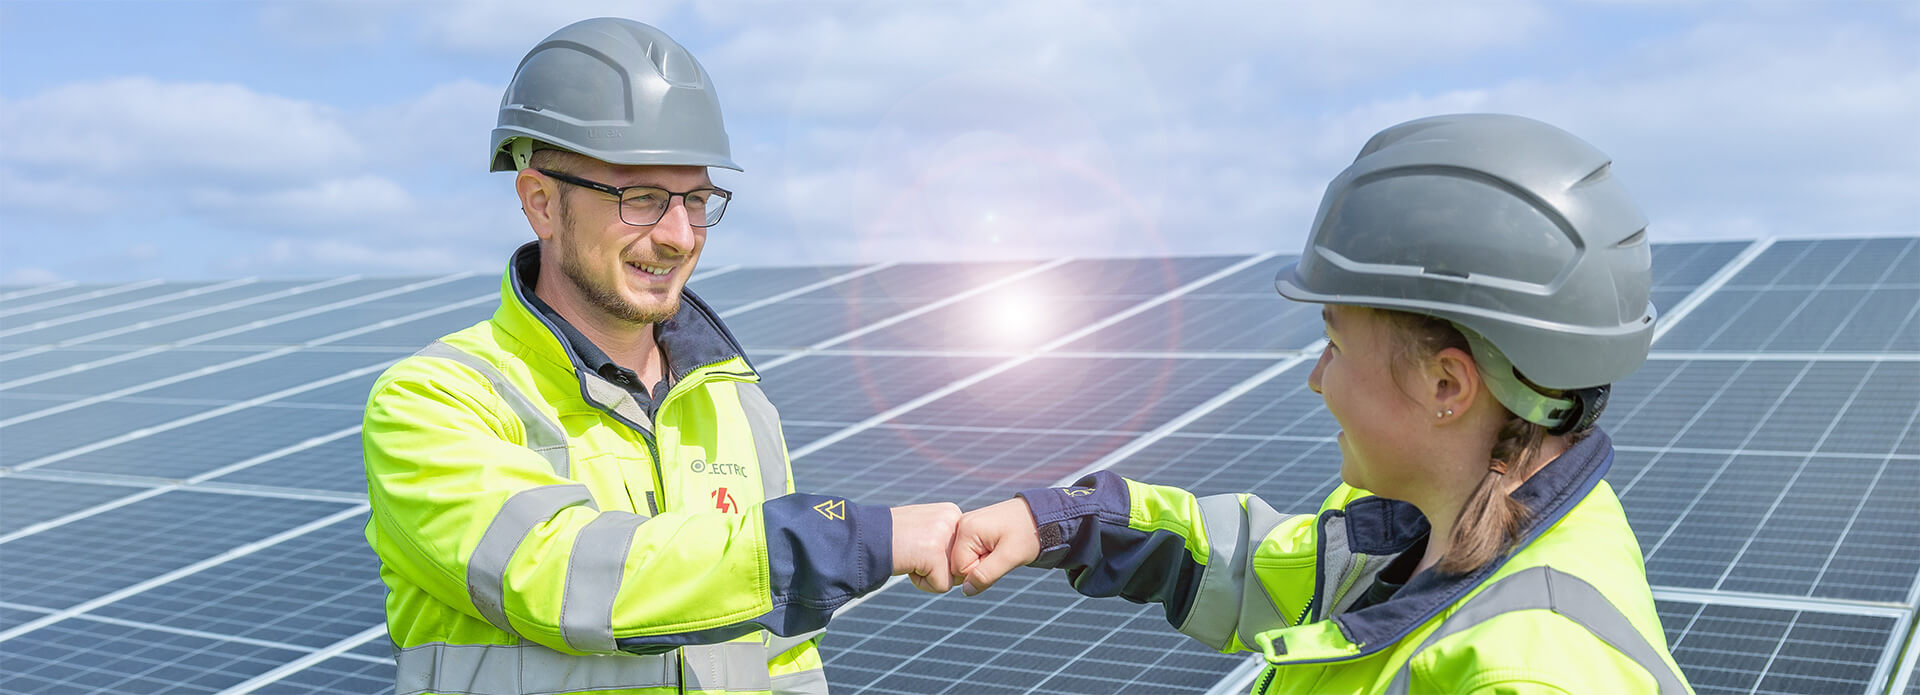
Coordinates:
658 497
1266 679
1319 562
660 487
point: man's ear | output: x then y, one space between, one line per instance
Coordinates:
1453 383
540 200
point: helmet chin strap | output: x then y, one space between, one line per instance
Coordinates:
1560 415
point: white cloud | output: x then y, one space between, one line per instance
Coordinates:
135 129
30 276
510 27
1102 125
1742 127
344 203
58 195
442 132
1787 121
329 23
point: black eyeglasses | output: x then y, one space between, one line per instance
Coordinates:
641 206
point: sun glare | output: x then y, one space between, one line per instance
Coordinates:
1014 321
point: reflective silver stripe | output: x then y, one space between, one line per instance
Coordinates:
1545 588
606 395
544 436
487 568
1222 604
594 574
1342 569
485 669
809 682
777 645
765 423
732 666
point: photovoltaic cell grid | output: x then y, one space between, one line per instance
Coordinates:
1740 649
1789 471
1814 296
828 312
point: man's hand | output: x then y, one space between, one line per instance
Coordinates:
921 535
990 541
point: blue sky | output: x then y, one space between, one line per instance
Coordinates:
215 139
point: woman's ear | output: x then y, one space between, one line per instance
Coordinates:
1453 382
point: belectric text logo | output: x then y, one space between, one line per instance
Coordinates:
733 469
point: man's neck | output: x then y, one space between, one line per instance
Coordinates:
628 344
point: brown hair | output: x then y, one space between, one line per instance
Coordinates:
1491 520
546 157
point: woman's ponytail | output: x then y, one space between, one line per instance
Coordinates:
1491 520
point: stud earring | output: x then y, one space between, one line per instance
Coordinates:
1441 415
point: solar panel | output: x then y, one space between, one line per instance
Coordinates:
63 566
747 285
326 588
1240 312
1742 649
1034 310
82 655
340 675
1030 633
827 312
847 389
162 529
312 464
13 616
1853 295
25 502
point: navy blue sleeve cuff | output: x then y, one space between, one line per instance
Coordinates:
1086 531
1060 515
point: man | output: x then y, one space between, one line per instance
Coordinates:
589 492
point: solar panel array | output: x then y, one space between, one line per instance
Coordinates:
181 496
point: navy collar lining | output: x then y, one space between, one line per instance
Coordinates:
692 339
1549 495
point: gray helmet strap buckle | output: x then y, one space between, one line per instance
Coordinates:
1589 403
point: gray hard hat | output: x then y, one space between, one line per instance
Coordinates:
615 90
1508 227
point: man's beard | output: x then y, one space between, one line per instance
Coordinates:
607 298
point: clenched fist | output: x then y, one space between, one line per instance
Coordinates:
921 535
990 541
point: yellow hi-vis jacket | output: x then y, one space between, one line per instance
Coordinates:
537 532
1567 611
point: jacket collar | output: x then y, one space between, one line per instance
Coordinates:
692 339
1381 526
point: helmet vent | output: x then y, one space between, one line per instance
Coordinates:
1639 237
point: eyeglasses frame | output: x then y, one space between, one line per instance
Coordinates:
620 194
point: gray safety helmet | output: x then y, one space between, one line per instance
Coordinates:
615 90
1510 228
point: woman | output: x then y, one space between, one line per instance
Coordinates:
1484 279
